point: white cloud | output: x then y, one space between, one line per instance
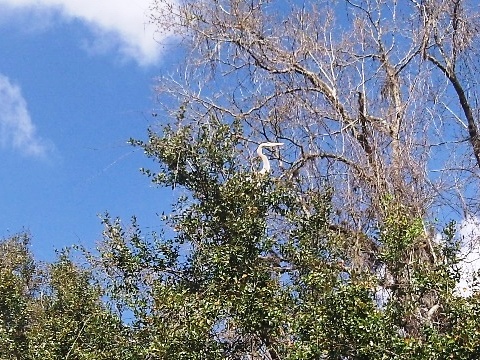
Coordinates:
118 24
17 130
469 230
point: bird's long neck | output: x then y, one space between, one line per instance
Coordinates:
265 161
260 151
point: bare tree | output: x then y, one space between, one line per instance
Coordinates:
376 99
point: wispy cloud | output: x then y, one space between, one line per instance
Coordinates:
17 130
469 230
115 24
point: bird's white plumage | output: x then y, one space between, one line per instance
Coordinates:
265 162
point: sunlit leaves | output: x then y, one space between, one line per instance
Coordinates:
53 311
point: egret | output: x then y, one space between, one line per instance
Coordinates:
266 163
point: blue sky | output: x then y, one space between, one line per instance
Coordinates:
76 81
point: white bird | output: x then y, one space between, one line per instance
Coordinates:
266 163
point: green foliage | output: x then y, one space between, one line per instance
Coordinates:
53 311
192 157
247 266
256 267
72 322
16 287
